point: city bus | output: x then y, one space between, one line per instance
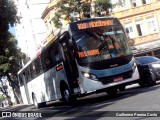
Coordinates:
87 56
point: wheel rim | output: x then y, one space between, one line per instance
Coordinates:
66 95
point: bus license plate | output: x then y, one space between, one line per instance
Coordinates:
116 79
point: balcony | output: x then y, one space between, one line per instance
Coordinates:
137 10
147 38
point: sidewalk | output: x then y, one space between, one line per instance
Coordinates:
18 107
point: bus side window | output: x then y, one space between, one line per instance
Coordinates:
38 66
27 75
52 56
46 60
20 77
33 70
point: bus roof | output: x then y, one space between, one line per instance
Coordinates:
59 32
24 66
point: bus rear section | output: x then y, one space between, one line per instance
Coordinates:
103 56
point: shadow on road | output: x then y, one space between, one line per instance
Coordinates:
93 105
15 108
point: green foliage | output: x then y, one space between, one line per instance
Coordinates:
2 98
8 15
103 6
10 54
86 7
66 7
56 21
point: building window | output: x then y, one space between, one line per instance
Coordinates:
121 3
139 29
133 3
129 29
146 1
152 26
130 32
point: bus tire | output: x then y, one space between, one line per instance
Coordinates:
148 80
36 104
151 80
122 88
66 95
142 84
112 92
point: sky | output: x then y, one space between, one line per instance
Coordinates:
12 30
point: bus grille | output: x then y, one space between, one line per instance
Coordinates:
110 79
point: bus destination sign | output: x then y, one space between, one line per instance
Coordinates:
88 53
92 24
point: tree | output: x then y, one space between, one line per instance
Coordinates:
86 10
102 7
8 15
10 55
4 90
64 8
9 64
2 98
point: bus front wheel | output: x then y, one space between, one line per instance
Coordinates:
112 92
66 95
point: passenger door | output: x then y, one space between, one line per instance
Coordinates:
69 61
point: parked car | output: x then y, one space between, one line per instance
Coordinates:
149 70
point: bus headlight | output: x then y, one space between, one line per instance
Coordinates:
90 76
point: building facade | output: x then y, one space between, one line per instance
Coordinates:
32 30
141 19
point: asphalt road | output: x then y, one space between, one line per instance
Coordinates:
139 103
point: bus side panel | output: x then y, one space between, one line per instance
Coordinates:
50 84
36 86
46 87
24 89
23 94
60 76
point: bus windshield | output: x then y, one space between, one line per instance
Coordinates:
102 43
